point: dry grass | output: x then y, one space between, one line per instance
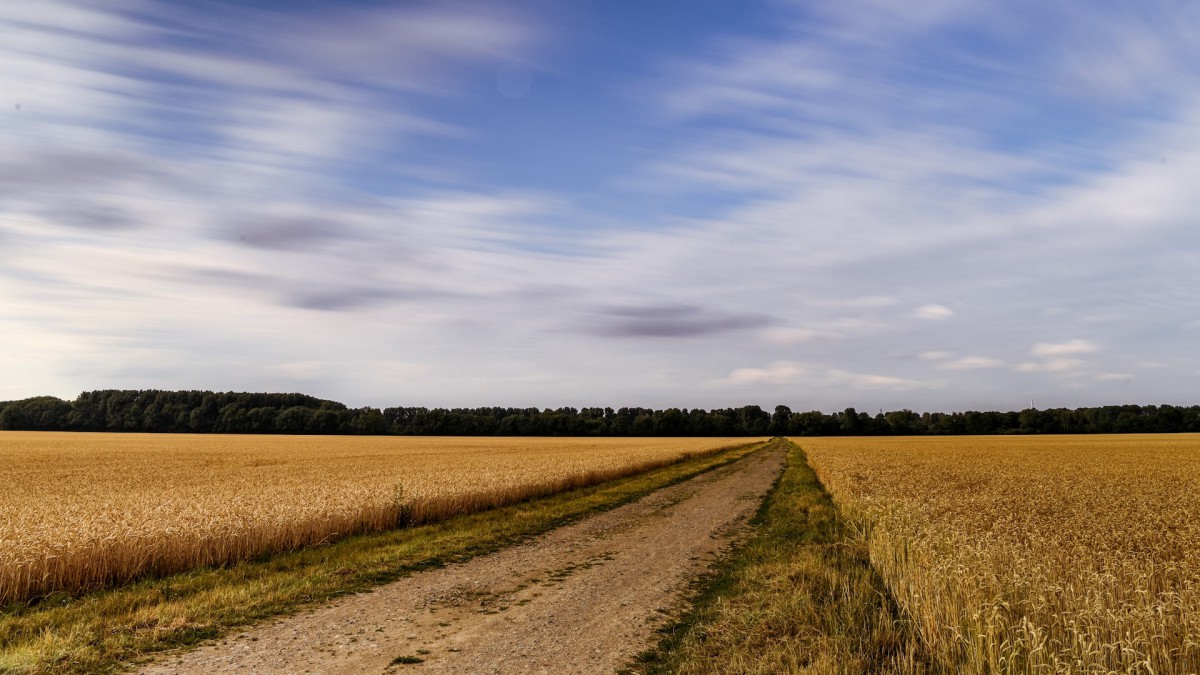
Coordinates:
1032 554
85 511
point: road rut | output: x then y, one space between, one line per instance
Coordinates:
585 598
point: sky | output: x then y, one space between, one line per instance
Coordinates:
934 205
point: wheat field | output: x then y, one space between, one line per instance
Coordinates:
1047 554
85 511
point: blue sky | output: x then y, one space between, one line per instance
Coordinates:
937 205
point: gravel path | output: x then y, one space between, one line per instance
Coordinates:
585 598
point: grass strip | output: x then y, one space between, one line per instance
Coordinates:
108 631
799 597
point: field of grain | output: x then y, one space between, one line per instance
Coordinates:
1048 554
84 511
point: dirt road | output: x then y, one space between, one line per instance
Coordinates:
585 598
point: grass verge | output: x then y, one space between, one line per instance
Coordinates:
799 597
107 631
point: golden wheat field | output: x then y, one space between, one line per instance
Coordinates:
83 511
1048 554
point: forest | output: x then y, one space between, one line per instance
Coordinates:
260 413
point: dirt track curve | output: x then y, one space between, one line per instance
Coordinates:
585 598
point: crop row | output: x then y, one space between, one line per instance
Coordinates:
1032 554
86 511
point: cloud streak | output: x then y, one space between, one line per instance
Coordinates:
971 363
674 321
787 213
791 373
1068 348
933 312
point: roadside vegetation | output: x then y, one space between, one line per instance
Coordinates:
799 597
106 630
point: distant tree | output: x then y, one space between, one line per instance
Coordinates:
780 421
755 421
230 412
902 422
850 425
41 413
293 420
365 421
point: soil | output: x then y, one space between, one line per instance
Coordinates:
585 598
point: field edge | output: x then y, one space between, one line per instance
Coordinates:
800 595
112 630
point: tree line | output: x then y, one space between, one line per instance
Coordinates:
248 413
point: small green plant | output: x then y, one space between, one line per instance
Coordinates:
402 506
406 660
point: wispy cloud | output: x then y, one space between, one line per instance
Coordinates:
1061 358
871 381
849 186
933 312
1053 365
788 336
935 355
673 321
971 363
782 373
1068 348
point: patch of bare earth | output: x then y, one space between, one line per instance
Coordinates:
585 598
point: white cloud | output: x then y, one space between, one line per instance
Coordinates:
1114 377
788 336
780 372
1068 348
1061 359
1054 365
837 377
791 372
933 312
971 363
935 355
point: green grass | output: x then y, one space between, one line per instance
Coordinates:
109 630
799 597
